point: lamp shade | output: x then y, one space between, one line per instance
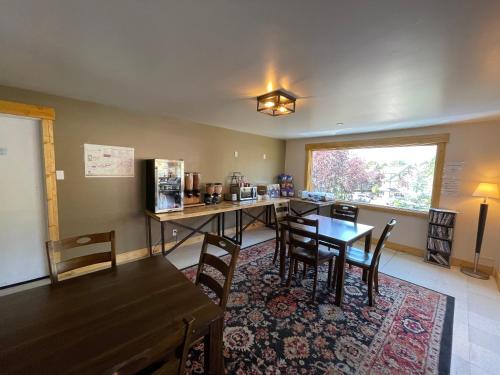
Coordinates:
486 190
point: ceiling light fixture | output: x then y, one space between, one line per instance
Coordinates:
276 103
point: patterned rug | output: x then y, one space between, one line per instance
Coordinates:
271 329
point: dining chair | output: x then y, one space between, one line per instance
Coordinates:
227 270
344 212
281 211
55 250
368 261
173 351
303 239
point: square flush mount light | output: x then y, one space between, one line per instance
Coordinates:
276 103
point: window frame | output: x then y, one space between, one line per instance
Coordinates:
439 140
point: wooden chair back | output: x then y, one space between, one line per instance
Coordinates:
167 358
345 212
303 233
281 211
227 270
177 365
381 242
56 248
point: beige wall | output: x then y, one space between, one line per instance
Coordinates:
89 205
476 144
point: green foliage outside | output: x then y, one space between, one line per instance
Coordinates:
399 183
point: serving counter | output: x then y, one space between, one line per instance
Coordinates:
214 212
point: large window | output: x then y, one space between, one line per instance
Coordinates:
398 175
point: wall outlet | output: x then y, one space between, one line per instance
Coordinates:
174 232
264 156
59 175
236 154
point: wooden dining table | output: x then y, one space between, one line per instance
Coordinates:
100 322
339 233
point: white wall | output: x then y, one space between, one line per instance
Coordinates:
23 223
477 144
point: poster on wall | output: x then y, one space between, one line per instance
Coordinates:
108 161
452 178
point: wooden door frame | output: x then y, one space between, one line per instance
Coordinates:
46 116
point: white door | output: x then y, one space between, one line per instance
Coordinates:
23 218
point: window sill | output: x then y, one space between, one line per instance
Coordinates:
392 210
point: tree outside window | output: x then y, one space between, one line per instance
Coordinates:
400 177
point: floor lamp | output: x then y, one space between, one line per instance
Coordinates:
485 191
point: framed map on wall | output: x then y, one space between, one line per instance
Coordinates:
108 161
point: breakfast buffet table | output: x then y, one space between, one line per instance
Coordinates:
214 212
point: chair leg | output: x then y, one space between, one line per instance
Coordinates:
276 250
364 276
290 273
376 280
304 271
295 267
330 272
370 288
334 277
315 282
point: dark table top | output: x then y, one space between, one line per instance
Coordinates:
94 322
339 231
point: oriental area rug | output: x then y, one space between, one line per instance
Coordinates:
272 329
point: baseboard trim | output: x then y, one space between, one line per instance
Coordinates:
497 279
405 249
133 255
24 282
454 261
490 270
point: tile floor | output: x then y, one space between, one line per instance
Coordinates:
476 328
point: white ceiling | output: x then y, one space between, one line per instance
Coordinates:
371 65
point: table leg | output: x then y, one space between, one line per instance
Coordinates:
162 230
237 234
270 216
218 225
214 360
368 244
150 245
241 227
317 210
339 285
282 252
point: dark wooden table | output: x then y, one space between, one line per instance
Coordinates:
100 322
336 232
